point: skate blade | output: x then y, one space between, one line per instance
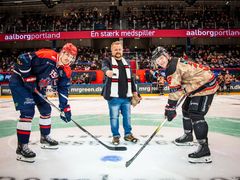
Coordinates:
183 144
24 159
206 159
45 146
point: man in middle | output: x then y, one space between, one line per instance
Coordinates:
119 89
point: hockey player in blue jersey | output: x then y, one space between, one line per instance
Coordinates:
37 70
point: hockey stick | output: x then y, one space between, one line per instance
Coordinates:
150 138
117 148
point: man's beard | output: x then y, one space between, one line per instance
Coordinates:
118 55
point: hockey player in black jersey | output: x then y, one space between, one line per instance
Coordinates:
37 70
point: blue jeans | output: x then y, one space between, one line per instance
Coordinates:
117 105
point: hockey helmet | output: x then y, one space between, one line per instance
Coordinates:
159 51
70 49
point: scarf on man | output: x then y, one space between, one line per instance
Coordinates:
115 78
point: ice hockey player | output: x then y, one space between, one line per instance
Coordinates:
37 70
200 85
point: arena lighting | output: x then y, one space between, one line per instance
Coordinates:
51 3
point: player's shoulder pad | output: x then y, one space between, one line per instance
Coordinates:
47 53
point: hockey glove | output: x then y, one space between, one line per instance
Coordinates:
30 83
170 110
66 114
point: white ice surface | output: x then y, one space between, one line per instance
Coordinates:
79 156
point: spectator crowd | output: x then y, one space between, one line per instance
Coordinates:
91 59
137 17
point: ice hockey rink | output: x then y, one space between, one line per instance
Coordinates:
80 157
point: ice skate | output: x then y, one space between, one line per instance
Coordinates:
48 143
202 155
184 140
25 154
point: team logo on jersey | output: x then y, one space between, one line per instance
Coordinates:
53 74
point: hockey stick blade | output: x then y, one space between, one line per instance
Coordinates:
117 148
128 162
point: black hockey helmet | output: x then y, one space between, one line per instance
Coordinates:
158 52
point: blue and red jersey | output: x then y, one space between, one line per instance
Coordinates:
42 64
